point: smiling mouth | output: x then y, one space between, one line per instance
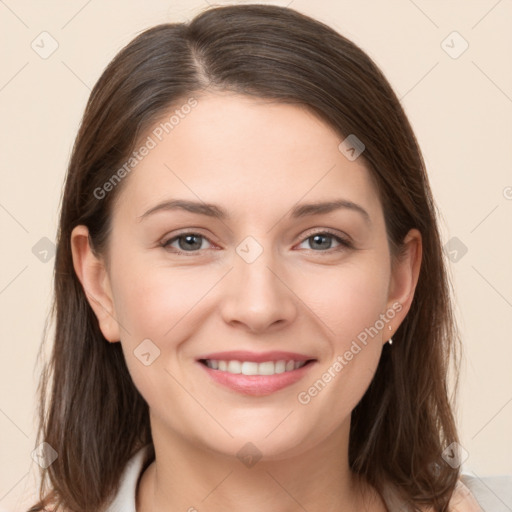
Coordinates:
264 368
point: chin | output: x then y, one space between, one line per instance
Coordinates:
260 446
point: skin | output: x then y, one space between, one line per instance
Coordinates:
256 159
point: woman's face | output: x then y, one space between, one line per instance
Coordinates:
259 273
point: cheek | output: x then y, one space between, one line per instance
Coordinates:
152 306
347 299
151 300
350 303
164 305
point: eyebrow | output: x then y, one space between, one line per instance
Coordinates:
298 211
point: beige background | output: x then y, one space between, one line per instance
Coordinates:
460 108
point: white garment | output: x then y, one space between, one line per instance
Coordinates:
493 494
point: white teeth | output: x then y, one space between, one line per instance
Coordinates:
267 368
252 368
280 366
249 368
234 367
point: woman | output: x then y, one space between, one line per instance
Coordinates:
252 309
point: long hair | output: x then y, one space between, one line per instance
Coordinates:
91 414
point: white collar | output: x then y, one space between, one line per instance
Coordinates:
125 499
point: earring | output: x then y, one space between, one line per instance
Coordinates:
390 341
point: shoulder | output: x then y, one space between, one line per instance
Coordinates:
489 494
471 494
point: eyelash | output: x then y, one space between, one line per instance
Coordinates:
344 242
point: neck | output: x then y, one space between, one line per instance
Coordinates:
186 477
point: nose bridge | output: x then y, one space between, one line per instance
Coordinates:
257 297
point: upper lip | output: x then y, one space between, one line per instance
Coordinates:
257 357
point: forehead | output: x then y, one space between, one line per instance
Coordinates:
246 153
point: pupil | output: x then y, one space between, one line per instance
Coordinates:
190 242
319 237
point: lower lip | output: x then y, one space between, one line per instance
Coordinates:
257 385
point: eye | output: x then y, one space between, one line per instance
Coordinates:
323 240
190 243
187 243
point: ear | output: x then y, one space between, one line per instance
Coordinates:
93 276
404 277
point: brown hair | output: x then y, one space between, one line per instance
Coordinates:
91 413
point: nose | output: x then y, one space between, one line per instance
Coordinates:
257 296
